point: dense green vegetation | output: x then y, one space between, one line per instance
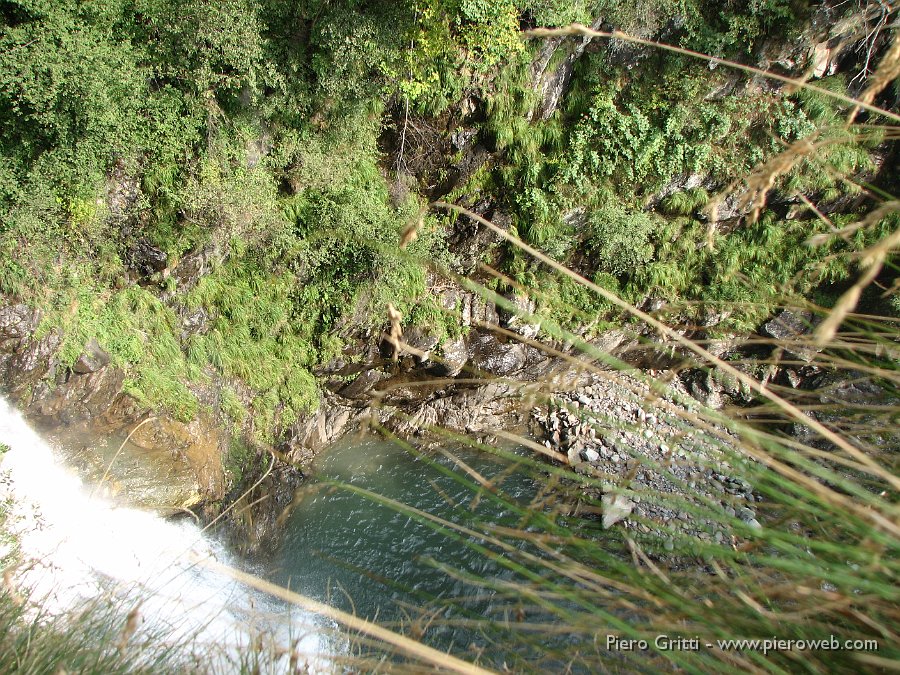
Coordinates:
215 192
251 134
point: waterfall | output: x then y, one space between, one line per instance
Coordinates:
77 546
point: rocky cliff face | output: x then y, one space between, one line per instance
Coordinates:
480 379
90 396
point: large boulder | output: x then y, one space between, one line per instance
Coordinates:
364 383
92 359
454 355
491 356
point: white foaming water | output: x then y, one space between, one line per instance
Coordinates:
84 546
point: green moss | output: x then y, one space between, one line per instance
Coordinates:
232 407
255 336
437 320
240 459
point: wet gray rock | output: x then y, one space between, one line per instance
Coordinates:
315 431
16 323
473 410
460 138
363 384
422 342
32 361
454 355
488 354
147 259
612 341
850 387
704 387
122 192
92 359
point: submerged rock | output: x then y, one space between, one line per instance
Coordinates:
154 479
199 442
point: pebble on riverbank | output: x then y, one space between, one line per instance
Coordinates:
661 465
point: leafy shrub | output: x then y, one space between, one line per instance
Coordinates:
620 241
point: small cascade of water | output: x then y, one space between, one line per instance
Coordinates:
78 546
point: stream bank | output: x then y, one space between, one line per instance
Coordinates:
485 382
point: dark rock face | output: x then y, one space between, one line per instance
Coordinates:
422 342
457 174
469 240
788 324
147 259
18 362
454 356
252 529
28 370
31 360
194 266
80 397
16 323
331 420
551 83
363 384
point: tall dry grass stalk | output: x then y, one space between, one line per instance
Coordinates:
821 562
819 456
820 452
